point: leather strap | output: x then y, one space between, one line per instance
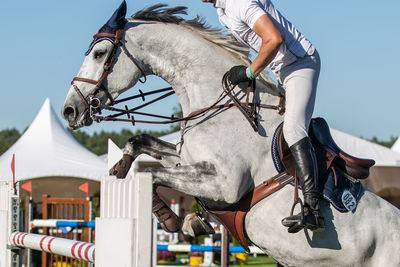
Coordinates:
86 80
233 219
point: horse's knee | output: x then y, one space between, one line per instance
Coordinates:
134 145
140 139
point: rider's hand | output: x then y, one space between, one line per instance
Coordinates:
238 74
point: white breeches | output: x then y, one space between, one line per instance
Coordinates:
299 80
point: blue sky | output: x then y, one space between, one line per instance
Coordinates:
43 43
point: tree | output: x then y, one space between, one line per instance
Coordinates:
388 143
7 138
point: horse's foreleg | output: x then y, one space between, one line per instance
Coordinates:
145 144
164 152
199 180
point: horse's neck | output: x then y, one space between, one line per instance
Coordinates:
192 65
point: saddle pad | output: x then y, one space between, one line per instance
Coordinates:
342 193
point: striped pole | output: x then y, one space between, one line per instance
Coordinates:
190 248
62 223
61 246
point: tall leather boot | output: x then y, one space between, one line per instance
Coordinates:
307 173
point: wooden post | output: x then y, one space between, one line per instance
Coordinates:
224 247
67 209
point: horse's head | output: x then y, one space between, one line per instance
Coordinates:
103 75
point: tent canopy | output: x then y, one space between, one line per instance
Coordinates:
364 149
396 145
48 149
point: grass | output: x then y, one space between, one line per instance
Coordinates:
259 261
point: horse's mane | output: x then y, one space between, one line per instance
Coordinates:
162 13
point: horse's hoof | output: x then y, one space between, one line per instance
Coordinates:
195 225
121 168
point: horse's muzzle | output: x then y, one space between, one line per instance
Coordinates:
69 113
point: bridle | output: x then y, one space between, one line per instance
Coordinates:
91 102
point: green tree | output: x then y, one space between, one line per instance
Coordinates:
387 143
7 138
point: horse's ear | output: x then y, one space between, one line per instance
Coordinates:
117 20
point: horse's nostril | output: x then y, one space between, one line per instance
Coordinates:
69 113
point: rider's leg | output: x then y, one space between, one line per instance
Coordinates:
307 173
300 85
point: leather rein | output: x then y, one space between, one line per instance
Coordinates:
94 106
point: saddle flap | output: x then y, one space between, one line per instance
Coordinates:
233 219
285 156
325 157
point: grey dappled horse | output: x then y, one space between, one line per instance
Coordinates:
222 157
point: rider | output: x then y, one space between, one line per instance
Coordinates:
295 62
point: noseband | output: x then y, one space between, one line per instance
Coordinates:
91 102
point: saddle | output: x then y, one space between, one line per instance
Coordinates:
329 156
327 152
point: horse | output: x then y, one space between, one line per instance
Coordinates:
221 157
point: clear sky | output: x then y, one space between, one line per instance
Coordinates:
43 41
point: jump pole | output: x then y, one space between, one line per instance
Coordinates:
61 223
60 246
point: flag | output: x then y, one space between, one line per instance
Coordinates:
28 187
13 168
85 188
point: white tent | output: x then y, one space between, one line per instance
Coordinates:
396 145
47 149
364 149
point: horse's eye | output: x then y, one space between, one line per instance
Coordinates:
99 54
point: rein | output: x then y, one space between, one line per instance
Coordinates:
94 106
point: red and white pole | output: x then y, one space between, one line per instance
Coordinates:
61 246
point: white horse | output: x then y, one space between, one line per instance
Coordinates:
222 157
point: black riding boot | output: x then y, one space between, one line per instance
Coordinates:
307 173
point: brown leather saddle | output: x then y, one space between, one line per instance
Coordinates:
328 154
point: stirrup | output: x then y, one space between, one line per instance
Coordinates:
298 225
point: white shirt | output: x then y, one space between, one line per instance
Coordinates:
239 16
